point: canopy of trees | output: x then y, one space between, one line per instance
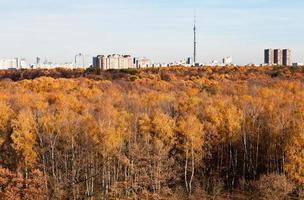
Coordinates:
171 133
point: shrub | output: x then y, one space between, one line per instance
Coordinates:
133 78
273 186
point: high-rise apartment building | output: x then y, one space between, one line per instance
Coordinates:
269 56
278 57
287 57
95 61
38 61
189 61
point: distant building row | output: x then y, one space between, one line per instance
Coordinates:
14 63
277 57
116 61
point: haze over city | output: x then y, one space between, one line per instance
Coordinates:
160 30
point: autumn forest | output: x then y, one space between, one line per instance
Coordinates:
159 133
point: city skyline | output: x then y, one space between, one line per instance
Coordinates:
162 31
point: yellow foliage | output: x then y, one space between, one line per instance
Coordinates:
192 130
225 117
145 127
24 137
163 126
295 160
294 165
110 141
5 116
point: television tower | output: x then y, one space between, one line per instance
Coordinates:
194 31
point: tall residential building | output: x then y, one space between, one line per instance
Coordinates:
38 61
80 60
278 57
95 61
269 56
113 62
189 61
287 57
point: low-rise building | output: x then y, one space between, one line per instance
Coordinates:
298 64
227 61
14 63
142 62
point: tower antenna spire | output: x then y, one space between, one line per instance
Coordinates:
194 45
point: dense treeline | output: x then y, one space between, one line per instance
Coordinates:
179 133
231 73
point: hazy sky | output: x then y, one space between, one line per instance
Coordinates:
158 29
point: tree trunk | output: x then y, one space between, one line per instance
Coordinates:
185 172
257 155
192 169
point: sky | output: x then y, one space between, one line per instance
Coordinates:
158 29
